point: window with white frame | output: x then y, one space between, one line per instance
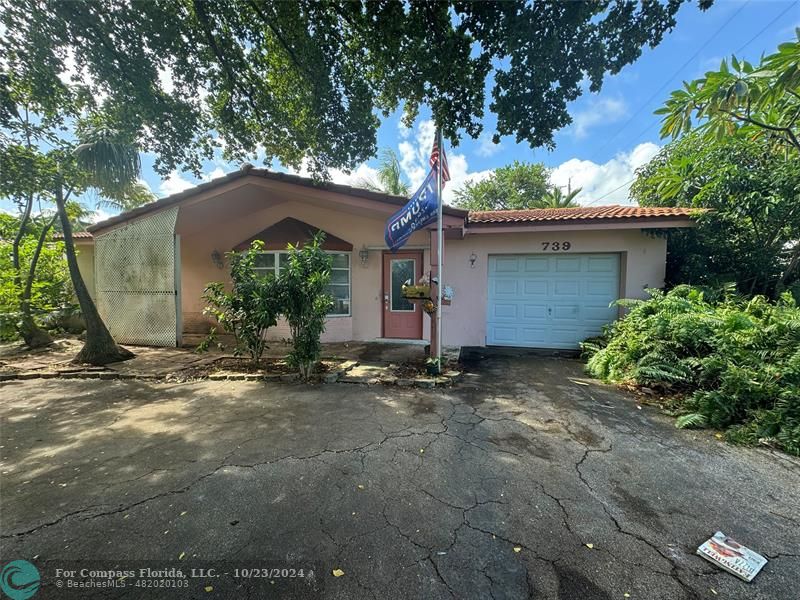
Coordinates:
271 263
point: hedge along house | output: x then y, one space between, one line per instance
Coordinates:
531 278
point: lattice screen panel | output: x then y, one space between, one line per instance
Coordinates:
135 280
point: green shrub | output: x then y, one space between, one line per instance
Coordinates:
51 288
249 308
305 302
254 303
735 362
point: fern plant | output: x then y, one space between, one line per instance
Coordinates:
734 360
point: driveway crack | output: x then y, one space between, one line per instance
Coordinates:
674 572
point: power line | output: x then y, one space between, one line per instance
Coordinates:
667 81
767 26
649 127
607 194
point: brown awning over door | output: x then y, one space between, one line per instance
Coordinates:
297 233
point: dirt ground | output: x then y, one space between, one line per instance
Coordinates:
526 480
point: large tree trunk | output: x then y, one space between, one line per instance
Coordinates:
33 336
100 348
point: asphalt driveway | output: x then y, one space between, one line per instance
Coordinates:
525 481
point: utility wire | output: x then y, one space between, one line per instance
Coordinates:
649 127
667 81
767 26
607 194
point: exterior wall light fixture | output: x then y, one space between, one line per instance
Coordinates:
217 259
363 254
472 258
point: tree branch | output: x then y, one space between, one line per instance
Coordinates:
26 213
202 18
792 138
266 20
26 294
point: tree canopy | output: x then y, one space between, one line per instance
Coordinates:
752 236
51 151
50 289
555 198
390 179
736 153
309 79
518 185
760 101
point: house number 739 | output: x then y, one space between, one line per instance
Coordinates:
556 246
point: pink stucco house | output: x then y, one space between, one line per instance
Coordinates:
527 278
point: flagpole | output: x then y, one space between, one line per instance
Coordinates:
440 251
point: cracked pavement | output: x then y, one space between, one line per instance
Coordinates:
490 489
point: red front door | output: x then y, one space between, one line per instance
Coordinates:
401 318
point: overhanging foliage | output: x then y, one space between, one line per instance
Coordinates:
734 362
308 79
752 235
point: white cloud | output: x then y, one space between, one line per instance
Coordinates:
415 154
486 147
100 214
605 110
411 164
165 79
215 174
174 184
70 71
144 184
354 178
177 182
597 180
403 131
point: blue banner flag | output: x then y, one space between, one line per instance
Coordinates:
421 210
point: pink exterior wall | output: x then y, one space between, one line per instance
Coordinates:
643 261
240 223
220 221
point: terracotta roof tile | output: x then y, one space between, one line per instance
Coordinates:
77 235
582 213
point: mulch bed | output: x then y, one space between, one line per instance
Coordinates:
154 364
239 365
409 369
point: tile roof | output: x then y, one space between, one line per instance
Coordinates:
581 213
76 235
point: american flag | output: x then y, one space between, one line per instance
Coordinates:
435 160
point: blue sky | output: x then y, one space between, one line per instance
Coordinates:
613 131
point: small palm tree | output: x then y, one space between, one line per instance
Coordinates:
110 163
555 198
136 195
390 176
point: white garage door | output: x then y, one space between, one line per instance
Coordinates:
546 301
